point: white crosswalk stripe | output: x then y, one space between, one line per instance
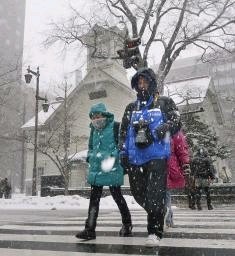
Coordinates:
195 233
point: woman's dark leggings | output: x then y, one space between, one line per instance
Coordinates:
93 211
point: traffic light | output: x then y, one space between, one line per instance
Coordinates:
130 54
132 42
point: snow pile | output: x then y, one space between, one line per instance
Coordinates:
60 202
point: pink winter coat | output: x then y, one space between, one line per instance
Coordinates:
179 157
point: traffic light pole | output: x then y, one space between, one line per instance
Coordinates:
130 54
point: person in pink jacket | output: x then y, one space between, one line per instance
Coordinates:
177 169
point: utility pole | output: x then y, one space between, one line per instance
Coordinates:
28 78
22 176
66 139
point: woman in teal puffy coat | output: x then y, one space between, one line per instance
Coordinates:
104 170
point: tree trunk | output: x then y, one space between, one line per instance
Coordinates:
160 85
66 184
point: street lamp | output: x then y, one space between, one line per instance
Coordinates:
28 78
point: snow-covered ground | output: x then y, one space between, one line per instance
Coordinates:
19 201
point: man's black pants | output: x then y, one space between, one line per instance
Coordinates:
198 195
148 186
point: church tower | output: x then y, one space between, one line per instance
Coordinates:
102 46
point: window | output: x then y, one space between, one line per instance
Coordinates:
40 172
63 137
97 94
226 80
42 139
224 67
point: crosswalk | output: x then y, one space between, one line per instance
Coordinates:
195 233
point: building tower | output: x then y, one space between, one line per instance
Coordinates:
12 19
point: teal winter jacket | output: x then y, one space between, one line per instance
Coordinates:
103 145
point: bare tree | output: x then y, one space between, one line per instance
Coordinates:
9 77
170 26
10 71
57 137
199 134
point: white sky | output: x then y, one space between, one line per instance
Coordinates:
53 66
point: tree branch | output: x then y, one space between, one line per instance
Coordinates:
146 18
154 31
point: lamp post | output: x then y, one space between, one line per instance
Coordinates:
28 78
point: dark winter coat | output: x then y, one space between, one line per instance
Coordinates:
179 157
202 167
102 145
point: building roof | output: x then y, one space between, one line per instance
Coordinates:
79 156
42 117
186 62
193 89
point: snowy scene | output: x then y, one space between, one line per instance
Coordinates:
117 126
60 202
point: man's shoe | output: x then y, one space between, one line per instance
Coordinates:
199 207
193 207
169 225
86 234
152 240
126 231
210 207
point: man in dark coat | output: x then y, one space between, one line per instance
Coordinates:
7 189
145 146
204 173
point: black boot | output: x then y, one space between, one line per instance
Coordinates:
199 207
89 232
86 234
192 202
208 199
210 207
198 196
90 225
193 207
126 230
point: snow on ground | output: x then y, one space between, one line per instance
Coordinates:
19 201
